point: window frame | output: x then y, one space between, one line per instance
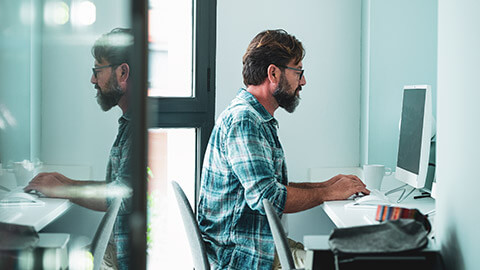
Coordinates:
168 112
197 111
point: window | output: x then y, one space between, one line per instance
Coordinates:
181 55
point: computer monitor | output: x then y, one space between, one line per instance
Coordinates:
415 136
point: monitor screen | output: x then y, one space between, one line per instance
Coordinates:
411 130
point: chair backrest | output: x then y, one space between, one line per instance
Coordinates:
197 247
102 235
279 237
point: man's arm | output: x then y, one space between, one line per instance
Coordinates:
89 194
322 184
303 196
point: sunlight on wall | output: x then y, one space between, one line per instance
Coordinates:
171 156
81 13
56 13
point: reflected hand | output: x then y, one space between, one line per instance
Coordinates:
50 184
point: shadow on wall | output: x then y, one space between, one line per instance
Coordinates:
451 250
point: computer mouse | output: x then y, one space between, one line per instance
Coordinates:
370 200
36 193
375 197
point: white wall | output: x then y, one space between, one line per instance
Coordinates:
399 48
17 44
457 130
324 130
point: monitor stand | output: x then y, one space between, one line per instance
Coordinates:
402 188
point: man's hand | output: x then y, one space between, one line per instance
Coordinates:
334 179
344 186
54 185
325 184
89 194
302 196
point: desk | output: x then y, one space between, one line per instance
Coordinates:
317 246
319 257
346 217
40 216
36 216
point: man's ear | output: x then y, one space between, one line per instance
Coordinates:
124 72
273 73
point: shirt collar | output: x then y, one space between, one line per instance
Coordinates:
127 116
257 106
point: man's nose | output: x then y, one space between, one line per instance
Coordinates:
93 80
303 81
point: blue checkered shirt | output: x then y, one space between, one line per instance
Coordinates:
119 175
244 164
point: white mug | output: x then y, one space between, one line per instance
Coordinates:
24 172
373 175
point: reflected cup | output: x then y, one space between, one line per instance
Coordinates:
24 172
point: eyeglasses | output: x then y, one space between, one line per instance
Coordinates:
95 69
296 69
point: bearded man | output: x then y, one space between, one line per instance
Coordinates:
110 77
245 164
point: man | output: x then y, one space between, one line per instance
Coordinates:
111 74
244 162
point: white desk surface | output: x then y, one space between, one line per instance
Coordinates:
36 216
40 216
348 216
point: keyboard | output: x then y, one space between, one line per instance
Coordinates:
17 197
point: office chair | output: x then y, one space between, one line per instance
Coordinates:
279 237
197 246
102 235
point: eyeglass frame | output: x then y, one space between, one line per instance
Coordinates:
95 71
302 71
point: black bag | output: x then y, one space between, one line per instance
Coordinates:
379 246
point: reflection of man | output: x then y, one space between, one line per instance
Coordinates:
110 76
244 162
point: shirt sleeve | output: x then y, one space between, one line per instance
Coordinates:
257 164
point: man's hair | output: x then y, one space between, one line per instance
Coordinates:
269 47
114 47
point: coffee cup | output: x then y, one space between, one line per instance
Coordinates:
24 171
373 175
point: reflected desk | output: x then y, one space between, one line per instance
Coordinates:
36 216
49 249
319 255
40 216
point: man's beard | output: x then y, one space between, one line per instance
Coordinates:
110 96
284 99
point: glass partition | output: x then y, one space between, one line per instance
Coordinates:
50 120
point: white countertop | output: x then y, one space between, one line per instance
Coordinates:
36 216
352 216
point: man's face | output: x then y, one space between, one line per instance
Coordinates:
287 93
105 80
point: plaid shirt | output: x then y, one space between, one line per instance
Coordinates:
118 176
244 164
